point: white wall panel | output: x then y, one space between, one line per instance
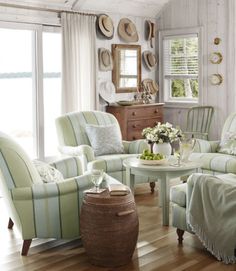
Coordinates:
213 16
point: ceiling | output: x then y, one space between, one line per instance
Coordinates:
145 8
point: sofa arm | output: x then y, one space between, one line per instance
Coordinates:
205 146
136 146
69 167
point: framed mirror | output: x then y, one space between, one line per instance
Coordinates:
126 74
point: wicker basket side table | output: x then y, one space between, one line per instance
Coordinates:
109 228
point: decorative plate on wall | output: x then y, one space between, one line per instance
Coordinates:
216 58
216 79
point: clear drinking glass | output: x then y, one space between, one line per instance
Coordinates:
97 177
186 148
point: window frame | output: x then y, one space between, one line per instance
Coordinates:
165 89
37 79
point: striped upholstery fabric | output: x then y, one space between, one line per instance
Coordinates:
73 140
41 210
178 194
206 152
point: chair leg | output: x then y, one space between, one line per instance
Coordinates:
10 224
180 234
25 247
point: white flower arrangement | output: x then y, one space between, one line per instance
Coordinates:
161 133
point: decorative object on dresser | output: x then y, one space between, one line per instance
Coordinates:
149 60
109 228
150 31
105 59
104 26
133 119
127 30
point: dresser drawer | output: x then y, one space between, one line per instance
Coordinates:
136 113
134 135
139 125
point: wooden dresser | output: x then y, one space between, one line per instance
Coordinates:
133 119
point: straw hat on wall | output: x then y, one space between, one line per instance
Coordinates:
151 85
105 26
127 30
150 31
149 60
105 59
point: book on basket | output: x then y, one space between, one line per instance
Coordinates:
118 189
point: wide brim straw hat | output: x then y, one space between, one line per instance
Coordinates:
105 59
105 26
107 91
151 85
149 59
127 30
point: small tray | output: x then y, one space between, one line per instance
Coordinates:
153 162
128 102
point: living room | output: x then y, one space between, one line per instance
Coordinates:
66 64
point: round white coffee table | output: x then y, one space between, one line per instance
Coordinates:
164 173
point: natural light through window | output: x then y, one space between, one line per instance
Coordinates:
52 89
16 96
181 69
30 102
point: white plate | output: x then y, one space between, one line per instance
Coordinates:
153 162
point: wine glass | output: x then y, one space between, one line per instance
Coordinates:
97 177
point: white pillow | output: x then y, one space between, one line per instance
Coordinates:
104 139
48 173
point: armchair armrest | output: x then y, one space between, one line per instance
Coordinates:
204 146
69 167
136 146
52 190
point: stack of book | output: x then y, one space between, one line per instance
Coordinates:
118 189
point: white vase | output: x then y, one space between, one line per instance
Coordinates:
163 148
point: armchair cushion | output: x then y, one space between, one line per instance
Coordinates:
228 144
136 146
215 162
204 146
105 139
48 173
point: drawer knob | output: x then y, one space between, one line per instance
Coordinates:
134 137
156 111
134 113
134 126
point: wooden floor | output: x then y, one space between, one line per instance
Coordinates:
157 247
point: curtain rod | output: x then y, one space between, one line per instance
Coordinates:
46 9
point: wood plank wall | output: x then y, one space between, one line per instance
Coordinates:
217 17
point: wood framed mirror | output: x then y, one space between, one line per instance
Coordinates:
126 74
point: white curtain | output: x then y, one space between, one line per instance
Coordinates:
79 62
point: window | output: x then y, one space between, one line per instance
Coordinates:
30 88
181 80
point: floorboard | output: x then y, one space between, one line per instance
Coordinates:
157 247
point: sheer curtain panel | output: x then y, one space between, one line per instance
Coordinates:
79 64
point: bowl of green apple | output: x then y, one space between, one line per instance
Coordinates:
149 158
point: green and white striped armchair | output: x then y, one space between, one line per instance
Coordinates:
214 159
73 140
38 209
